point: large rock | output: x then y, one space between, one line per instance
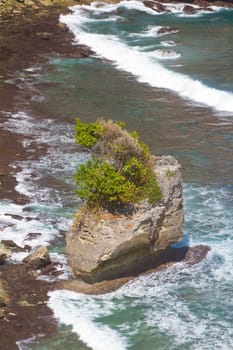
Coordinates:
111 246
38 259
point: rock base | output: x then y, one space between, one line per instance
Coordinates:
187 256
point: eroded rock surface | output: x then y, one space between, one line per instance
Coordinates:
111 246
38 259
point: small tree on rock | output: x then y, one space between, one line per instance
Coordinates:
120 172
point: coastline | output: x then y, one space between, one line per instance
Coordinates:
26 315
53 39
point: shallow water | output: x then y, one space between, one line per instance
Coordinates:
181 308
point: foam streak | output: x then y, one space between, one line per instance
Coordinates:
145 68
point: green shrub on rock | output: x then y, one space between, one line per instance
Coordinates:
134 170
87 134
121 172
101 184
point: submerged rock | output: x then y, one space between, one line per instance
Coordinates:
168 30
196 254
107 246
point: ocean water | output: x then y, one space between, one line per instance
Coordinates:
176 90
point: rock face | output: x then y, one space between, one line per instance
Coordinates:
107 246
38 259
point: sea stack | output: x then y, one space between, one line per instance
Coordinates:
108 245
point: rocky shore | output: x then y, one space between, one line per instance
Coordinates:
30 33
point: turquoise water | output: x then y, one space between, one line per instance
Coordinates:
181 105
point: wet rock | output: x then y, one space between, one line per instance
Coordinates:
27 248
223 4
196 254
51 270
63 27
189 9
160 7
209 9
8 243
150 4
189 255
201 3
111 246
12 246
15 217
168 30
155 6
82 51
32 235
4 297
5 253
204 5
38 259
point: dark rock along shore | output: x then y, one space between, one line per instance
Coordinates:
30 32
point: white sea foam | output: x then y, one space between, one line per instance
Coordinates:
101 7
142 66
47 216
81 312
154 31
61 265
61 158
176 8
168 43
182 305
24 344
27 227
179 9
217 202
174 303
164 54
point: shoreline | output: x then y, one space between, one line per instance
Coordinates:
26 314
40 39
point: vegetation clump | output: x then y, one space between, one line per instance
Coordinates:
120 172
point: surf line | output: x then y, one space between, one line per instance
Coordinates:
145 67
